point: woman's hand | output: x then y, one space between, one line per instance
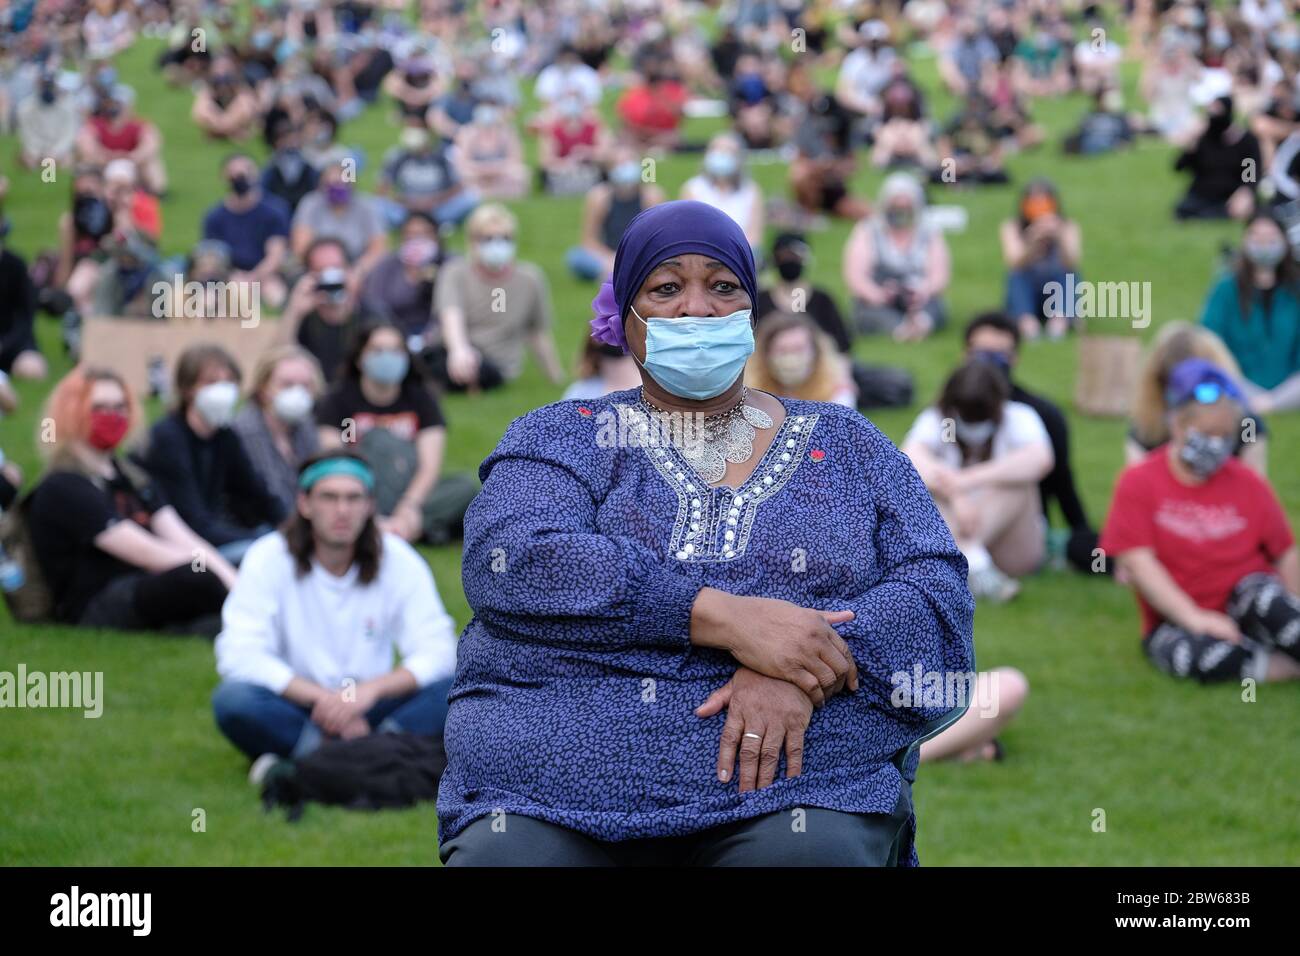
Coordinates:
778 639
774 712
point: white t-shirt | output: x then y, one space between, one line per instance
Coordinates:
277 626
868 72
737 203
556 82
1020 426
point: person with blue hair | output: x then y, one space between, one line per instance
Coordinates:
698 607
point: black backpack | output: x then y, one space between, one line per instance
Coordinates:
367 773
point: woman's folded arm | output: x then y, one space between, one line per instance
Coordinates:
535 567
919 613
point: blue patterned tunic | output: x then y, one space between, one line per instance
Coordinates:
576 681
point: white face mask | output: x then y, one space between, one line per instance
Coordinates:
292 405
413 139
495 253
974 434
792 369
216 403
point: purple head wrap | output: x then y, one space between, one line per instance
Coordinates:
659 233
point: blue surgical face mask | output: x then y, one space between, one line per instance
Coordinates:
697 357
720 164
387 367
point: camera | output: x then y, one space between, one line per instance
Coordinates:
332 283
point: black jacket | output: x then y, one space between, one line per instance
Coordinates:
1059 482
211 483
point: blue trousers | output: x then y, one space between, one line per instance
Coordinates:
260 721
1027 289
584 264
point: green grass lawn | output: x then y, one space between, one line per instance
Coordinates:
1185 775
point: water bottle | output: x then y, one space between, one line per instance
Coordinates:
11 573
157 378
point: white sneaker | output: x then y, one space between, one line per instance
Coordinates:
261 767
990 584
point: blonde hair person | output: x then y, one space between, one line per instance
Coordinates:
488 217
266 365
1148 421
793 358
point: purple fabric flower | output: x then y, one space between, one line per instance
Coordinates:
607 326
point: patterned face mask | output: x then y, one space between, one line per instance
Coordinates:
1205 454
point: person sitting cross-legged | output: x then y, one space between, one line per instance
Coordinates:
982 455
1206 544
308 633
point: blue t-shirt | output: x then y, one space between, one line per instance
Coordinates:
246 233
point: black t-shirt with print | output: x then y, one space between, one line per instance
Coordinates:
414 410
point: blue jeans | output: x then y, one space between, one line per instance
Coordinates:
234 551
259 721
584 264
1027 291
454 211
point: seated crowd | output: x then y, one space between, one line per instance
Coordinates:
274 503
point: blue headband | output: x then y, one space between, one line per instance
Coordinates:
328 467
661 232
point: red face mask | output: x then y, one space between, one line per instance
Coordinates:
107 429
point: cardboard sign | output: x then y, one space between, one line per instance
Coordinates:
144 351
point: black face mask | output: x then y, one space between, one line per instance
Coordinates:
91 215
999 360
789 269
1217 123
240 185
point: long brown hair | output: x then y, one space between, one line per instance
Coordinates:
975 392
1287 272
302 543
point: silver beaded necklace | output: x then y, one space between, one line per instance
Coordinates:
708 443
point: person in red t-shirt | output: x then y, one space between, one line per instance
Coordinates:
115 132
1206 543
651 111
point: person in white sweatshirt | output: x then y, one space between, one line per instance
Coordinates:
309 630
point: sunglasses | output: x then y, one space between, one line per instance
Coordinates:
1207 393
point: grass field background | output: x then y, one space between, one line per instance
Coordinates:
1185 774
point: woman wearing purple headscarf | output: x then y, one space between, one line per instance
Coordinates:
701 612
